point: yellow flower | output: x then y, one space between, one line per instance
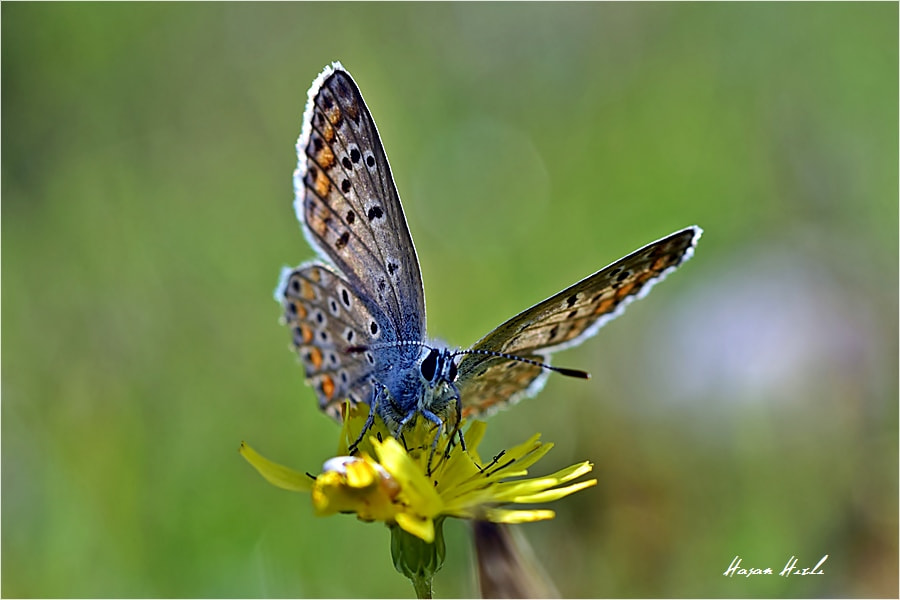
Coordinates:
390 480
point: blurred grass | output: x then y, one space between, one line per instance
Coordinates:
749 406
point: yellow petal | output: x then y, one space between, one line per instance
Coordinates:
360 474
555 494
533 455
499 515
418 490
277 475
421 527
343 444
474 435
487 480
329 496
516 460
509 490
524 448
573 472
459 468
356 485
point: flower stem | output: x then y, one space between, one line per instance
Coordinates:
422 586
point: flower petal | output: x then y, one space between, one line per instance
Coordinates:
499 515
421 527
554 494
357 485
530 455
573 471
474 434
510 490
277 475
418 490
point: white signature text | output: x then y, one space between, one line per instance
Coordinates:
789 569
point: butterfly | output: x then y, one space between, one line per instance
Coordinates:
357 315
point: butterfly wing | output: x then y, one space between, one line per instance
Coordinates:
325 317
347 201
487 382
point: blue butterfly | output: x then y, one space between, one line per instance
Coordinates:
358 315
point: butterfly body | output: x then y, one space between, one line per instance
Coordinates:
424 387
358 316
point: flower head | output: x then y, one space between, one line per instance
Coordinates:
391 480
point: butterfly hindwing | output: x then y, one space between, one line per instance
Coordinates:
561 321
326 317
497 381
349 205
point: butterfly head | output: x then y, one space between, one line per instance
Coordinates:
438 367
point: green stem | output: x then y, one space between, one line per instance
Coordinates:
422 586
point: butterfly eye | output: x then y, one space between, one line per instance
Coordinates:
451 371
429 365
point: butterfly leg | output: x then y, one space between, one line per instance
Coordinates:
457 429
437 436
370 420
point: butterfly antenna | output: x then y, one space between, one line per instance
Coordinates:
561 370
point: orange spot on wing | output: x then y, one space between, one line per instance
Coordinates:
327 386
661 263
328 132
307 290
645 276
605 306
322 184
325 157
334 115
315 357
625 290
307 333
300 310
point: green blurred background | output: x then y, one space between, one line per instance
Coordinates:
747 407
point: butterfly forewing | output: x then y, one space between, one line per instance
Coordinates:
326 317
564 320
347 200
